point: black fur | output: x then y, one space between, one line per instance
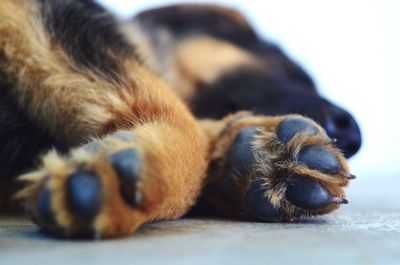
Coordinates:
283 87
187 20
88 33
20 139
263 92
275 93
21 143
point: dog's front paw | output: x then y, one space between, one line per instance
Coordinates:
98 190
280 168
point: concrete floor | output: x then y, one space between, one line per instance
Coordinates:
367 231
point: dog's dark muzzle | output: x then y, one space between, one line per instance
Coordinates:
340 125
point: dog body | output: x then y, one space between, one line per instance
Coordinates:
145 114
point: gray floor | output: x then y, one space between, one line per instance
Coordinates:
367 231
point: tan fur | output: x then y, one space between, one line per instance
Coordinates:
47 85
193 60
204 59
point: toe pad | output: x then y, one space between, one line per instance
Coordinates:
319 158
288 128
241 155
239 161
257 203
44 206
307 193
127 164
84 193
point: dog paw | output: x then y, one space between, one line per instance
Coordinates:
99 190
281 168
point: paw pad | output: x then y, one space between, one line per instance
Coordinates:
258 173
258 203
84 194
44 206
319 158
239 161
288 128
127 164
307 193
241 155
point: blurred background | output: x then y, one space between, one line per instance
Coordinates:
350 48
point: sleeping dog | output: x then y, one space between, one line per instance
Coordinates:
111 124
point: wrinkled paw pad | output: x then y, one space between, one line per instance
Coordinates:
127 164
288 128
239 161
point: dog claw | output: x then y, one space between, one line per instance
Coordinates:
338 200
349 176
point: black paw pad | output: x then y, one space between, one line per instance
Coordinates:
44 206
287 129
84 194
319 158
128 165
307 193
239 161
257 203
241 155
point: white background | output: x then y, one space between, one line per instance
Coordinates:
350 47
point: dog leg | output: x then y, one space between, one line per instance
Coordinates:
136 152
112 185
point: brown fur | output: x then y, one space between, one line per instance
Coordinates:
205 59
77 105
90 106
193 60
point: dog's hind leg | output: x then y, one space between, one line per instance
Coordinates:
140 155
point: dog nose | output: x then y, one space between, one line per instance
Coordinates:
340 125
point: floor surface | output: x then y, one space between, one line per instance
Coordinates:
367 231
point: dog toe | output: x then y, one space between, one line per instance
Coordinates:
44 207
307 193
319 158
127 164
84 195
288 128
258 203
239 161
